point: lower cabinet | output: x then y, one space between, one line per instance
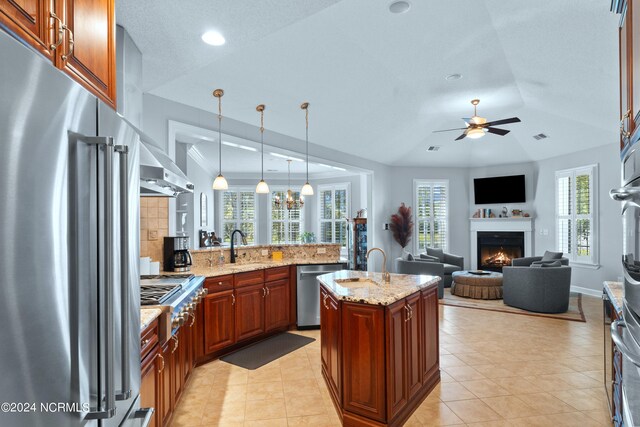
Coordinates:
149 384
379 362
249 311
219 319
166 402
276 307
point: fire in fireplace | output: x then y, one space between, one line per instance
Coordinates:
497 249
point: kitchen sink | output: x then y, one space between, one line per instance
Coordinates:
356 282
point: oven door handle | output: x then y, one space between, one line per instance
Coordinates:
624 193
617 339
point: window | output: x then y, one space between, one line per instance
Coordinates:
238 211
333 204
575 214
431 201
285 225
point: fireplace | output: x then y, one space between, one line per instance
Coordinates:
497 249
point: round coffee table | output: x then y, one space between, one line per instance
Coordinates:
478 286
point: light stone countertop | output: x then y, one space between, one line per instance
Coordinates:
615 290
379 293
148 315
228 268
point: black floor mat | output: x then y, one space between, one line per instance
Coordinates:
266 351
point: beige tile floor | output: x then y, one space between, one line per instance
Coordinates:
498 369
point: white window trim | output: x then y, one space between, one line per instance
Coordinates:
333 187
286 221
416 183
256 221
592 170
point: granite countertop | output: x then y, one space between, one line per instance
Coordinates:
615 290
270 246
379 293
228 268
148 315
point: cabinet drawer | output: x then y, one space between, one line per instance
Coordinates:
249 278
148 338
219 283
276 273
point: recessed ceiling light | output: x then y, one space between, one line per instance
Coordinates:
213 38
455 76
399 7
242 147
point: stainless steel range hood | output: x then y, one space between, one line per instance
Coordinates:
159 175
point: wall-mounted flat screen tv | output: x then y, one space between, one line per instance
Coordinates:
499 190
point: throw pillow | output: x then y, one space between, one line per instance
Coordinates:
551 256
410 257
438 253
428 258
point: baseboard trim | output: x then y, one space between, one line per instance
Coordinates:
586 291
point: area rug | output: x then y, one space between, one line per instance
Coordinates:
266 351
574 313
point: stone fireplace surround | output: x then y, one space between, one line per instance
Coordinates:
522 224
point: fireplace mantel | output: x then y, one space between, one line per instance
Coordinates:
524 224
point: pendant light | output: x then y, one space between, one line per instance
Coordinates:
262 187
307 189
220 183
289 200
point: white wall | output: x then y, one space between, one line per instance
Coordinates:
610 223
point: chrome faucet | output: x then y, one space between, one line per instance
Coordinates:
244 242
385 274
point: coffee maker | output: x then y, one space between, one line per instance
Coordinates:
176 254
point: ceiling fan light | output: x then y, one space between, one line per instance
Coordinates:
262 187
475 133
307 189
220 183
478 120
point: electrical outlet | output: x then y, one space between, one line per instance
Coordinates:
153 235
385 226
265 252
322 250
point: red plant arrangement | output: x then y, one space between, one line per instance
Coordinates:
402 225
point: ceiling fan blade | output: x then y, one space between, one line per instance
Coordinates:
448 130
502 122
501 132
461 136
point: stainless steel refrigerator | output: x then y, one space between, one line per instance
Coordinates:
69 296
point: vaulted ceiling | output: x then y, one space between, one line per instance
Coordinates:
376 80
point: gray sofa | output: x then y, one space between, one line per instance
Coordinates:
527 261
540 289
422 267
450 263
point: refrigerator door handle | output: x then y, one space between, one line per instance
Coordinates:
145 414
622 347
123 151
108 410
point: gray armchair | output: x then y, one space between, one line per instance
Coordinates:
527 261
450 262
541 289
421 267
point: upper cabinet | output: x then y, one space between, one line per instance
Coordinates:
77 35
625 35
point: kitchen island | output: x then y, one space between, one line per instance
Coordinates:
379 344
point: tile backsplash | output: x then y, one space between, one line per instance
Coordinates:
154 226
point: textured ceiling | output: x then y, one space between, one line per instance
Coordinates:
375 80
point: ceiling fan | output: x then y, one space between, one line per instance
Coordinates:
477 126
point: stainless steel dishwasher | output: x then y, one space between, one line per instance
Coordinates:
308 291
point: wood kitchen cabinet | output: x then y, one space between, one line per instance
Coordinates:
249 311
276 305
31 20
379 362
78 36
149 382
219 330
166 400
625 36
330 341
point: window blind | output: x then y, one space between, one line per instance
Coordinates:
432 216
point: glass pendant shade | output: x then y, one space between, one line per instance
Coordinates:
475 133
262 187
307 189
220 183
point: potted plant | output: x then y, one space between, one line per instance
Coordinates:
402 225
308 237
